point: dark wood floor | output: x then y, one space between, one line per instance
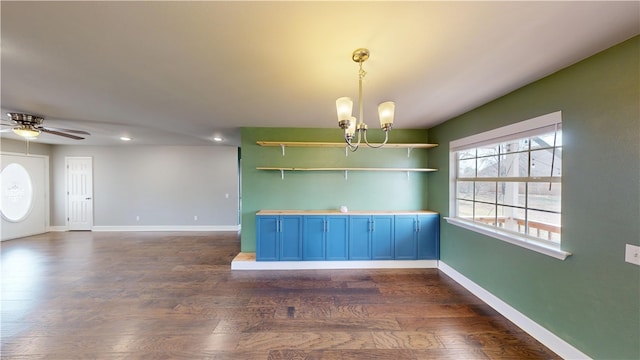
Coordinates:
84 295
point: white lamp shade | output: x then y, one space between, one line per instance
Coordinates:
344 106
352 127
386 111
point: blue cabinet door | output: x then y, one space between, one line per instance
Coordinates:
382 237
405 230
313 240
268 238
290 237
428 237
359 238
337 235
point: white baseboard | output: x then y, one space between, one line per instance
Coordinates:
247 261
220 228
546 337
57 228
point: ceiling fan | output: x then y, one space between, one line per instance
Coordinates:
30 126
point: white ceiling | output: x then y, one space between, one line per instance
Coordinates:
178 73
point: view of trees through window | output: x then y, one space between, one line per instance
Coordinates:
513 185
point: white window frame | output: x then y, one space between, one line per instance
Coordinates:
503 134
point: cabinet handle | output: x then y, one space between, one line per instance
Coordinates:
279 225
326 226
418 228
415 226
373 226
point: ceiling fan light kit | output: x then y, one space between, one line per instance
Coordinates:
349 123
30 126
27 124
26 131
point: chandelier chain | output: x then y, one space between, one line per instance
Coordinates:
361 75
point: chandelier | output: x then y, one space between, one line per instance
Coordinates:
344 106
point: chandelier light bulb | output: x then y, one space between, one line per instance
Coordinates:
349 131
386 111
344 106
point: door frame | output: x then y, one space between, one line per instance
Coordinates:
66 189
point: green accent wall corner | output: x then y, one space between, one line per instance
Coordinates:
592 299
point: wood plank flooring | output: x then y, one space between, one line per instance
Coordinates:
145 295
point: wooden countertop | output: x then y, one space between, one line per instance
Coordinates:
337 212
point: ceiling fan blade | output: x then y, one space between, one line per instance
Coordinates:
60 134
81 132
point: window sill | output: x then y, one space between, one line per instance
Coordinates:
522 241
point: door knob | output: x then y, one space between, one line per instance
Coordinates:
87 198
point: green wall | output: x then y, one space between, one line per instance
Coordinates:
313 190
592 299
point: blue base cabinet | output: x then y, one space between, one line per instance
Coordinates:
406 242
359 238
291 238
279 238
337 238
314 238
348 237
325 238
428 237
417 237
382 238
371 237
268 238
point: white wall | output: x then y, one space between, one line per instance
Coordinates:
164 185
19 146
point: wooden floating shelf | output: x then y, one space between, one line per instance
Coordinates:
339 144
346 169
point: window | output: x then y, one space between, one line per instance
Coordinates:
506 183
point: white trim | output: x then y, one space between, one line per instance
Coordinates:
512 131
247 261
546 337
522 241
221 228
58 228
168 228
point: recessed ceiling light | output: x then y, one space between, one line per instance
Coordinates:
217 139
125 138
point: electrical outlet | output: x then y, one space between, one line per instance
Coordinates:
632 254
137 218
195 218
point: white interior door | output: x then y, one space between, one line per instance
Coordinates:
79 193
